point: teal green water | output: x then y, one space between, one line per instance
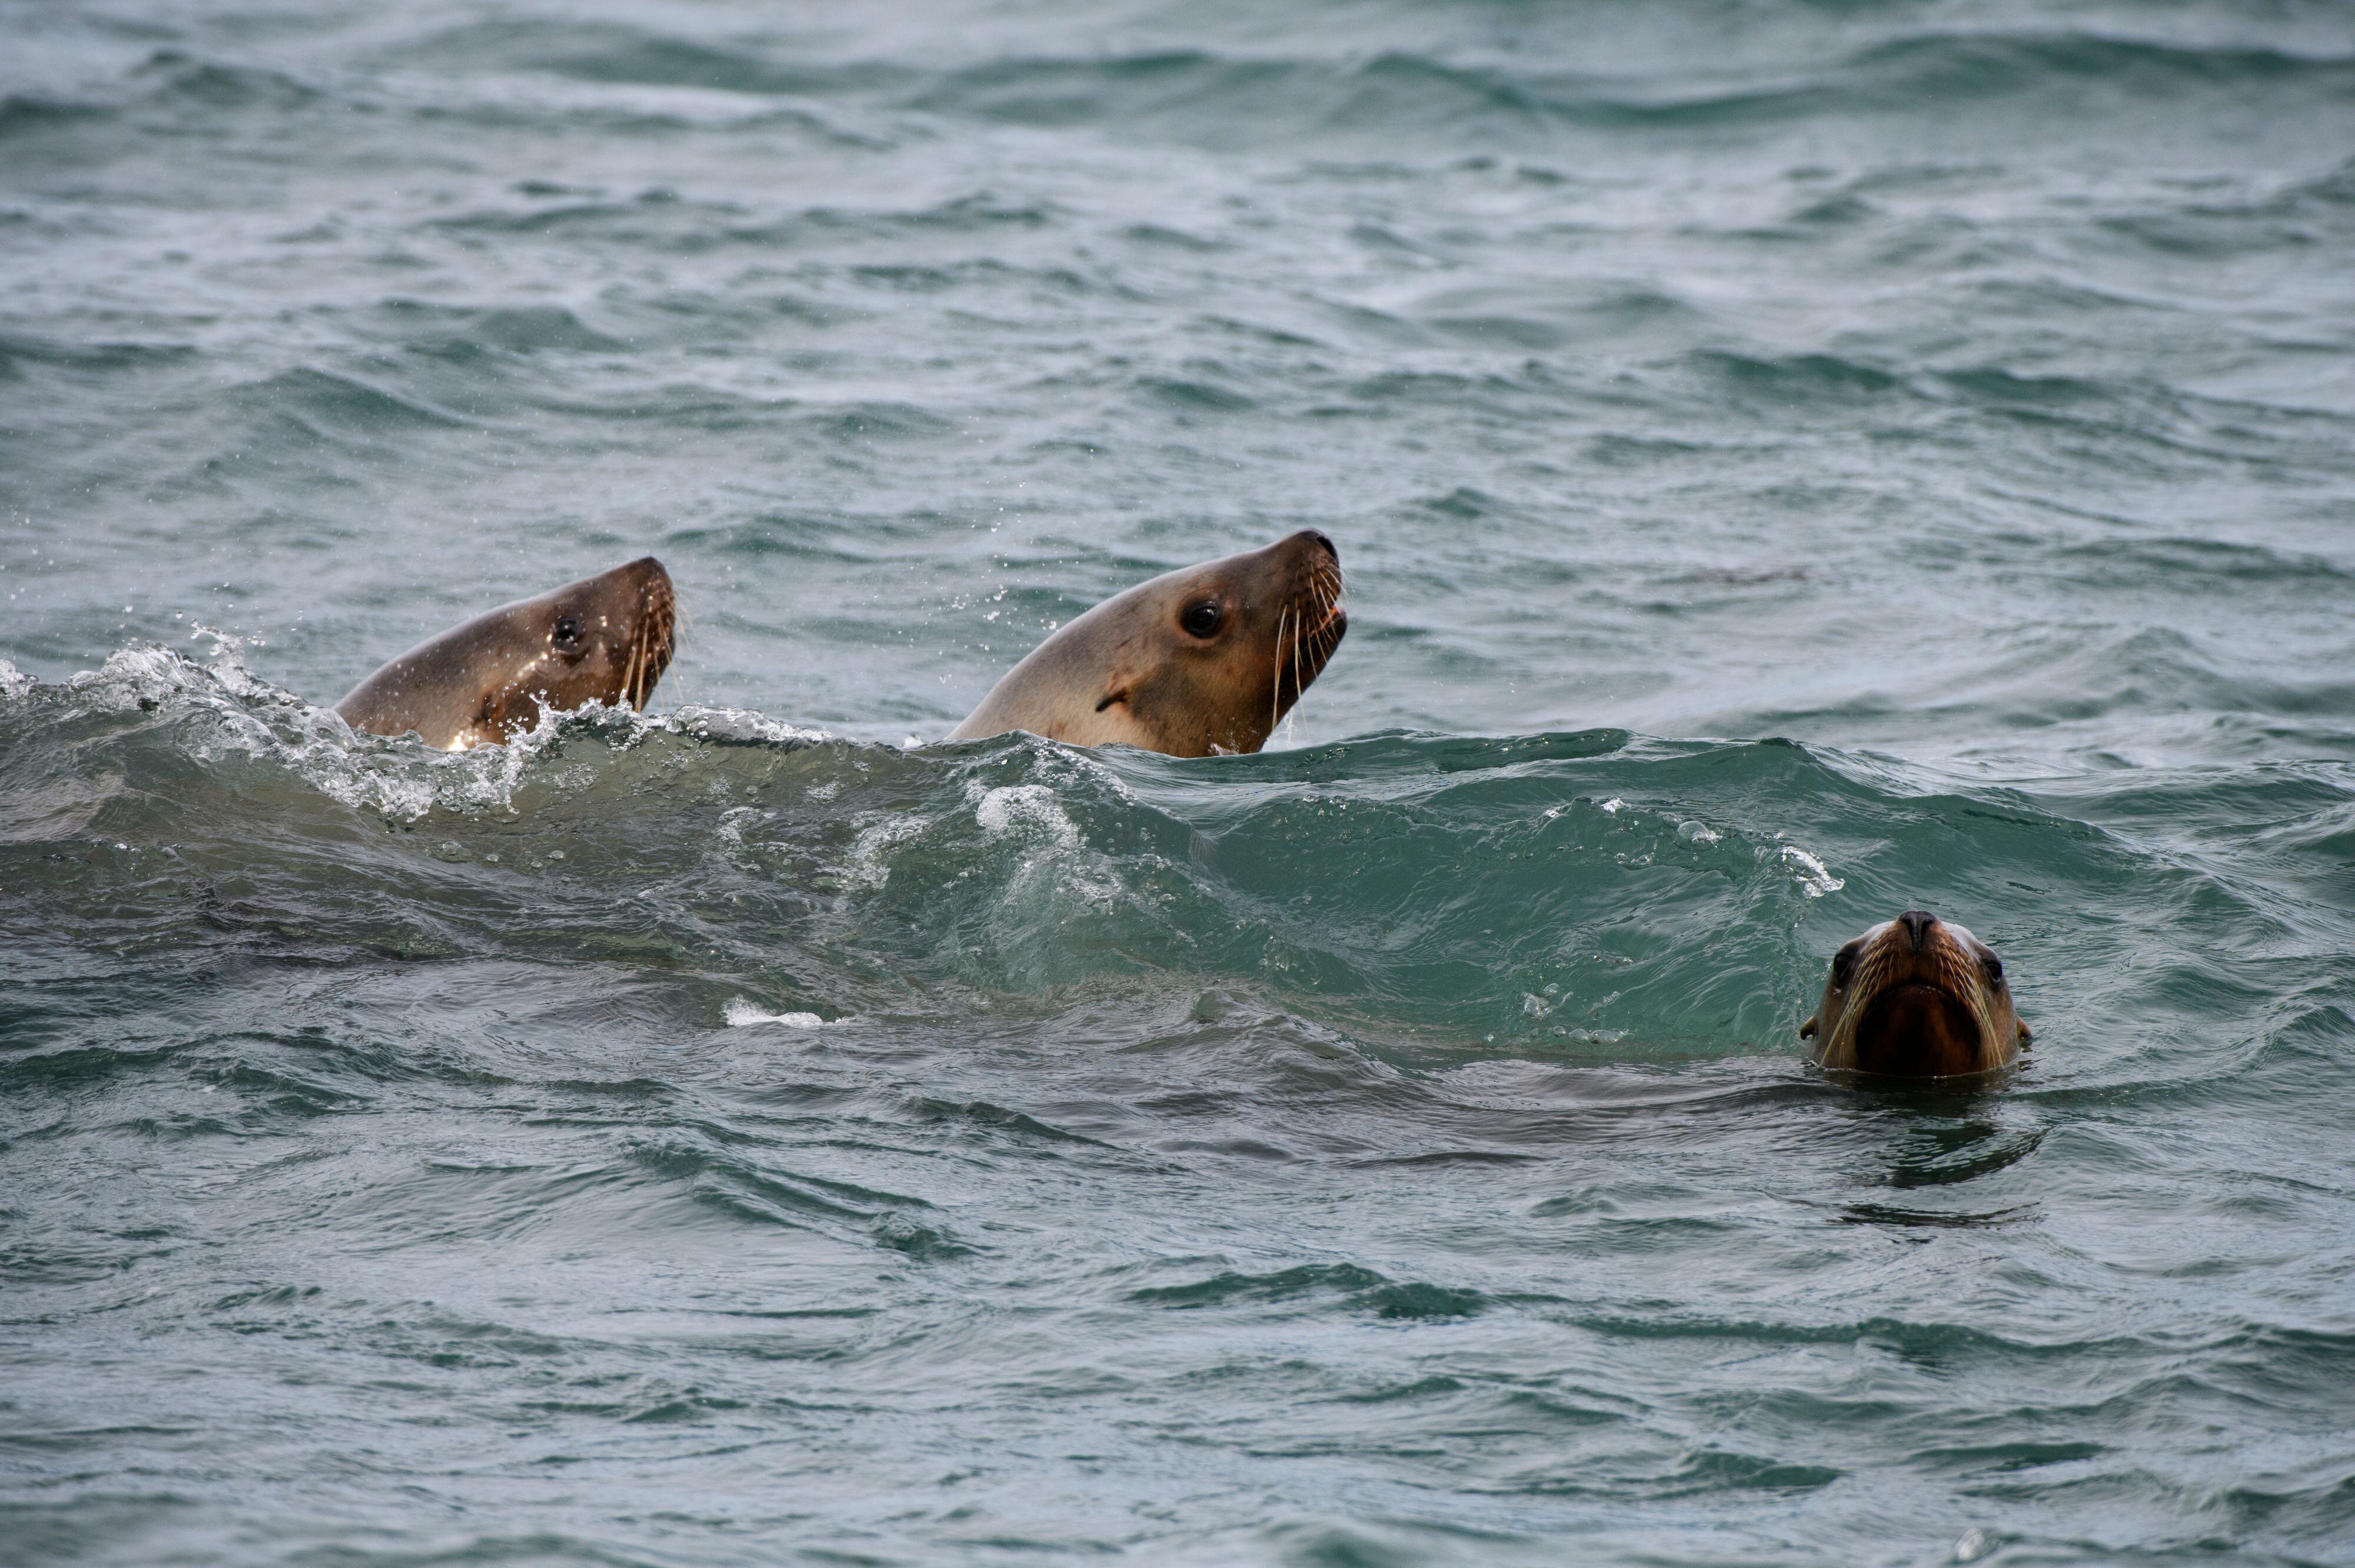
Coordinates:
1794 462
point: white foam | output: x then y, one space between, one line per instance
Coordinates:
742 1014
228 662
866 869
704 723
1026 811
1814 881
393 776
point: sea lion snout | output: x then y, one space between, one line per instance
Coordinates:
1916 996
648 573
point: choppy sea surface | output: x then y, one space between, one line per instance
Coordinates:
1794 462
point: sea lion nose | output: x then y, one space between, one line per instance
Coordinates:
1917 924
1321 537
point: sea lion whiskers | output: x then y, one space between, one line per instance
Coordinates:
637 667
653 652
1324 590
1298 639
661 639
1884 965
1275 676
1327 584
1331 582
650 651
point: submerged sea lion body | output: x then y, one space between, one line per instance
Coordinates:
1202 660
605 638
1916 998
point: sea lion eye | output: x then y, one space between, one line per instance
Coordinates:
1844 965
1201 618
568 630
1993 966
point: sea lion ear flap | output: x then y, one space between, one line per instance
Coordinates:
1807 1030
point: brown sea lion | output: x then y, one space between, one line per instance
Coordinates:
1206 659
605 638
1916 998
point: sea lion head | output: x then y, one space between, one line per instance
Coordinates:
605 638
1916 998
1202 660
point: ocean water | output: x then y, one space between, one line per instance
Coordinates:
1794 462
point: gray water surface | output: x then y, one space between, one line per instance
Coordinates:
1794 462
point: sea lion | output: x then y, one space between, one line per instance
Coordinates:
1915 998
605 638
1206 659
